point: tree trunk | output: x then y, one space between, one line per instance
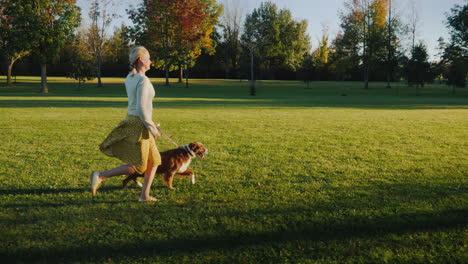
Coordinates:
99 71
181 73
252 80
186 77
10 66
388 81
11 61
166 66
389 66
366 76
44 88
226 71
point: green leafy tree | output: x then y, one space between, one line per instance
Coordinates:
342 59
155 26
457 60
82 62
418 68
275 38
101 18
457 22
364 25
54 23
441 67
117 46
456 52
306 72
230 44
15 31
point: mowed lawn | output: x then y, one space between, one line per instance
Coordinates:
295 174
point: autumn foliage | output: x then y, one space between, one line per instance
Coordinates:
175 31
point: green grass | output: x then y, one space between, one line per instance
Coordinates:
294 175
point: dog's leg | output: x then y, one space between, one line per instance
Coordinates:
188 173
139 184
185 174
168 178
133 178
126 180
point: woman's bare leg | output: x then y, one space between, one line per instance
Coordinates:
98 177
148 180
122 170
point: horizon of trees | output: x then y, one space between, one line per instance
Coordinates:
197 35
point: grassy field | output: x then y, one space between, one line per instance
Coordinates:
296 174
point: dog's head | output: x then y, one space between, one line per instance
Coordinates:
198 149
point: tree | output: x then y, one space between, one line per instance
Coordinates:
307 69
456 52
155 27
458 67
275 39
457 22
441 67
413 23
197 19
251 41
389 46
321 55
54 23
97 34
82 62
418 68
175 31
364 25
343 61
15 31
231 28
117 46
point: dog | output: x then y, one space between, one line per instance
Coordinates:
175 161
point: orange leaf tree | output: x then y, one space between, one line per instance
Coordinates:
175 31
197 19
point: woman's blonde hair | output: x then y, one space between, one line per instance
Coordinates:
135 53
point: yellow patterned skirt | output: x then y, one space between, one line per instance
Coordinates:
131 142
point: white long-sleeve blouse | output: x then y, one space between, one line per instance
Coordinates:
140 94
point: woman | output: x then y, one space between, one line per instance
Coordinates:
132 141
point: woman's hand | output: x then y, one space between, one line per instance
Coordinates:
157 134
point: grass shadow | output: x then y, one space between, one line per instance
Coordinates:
306 231
231 93
277 103
324 229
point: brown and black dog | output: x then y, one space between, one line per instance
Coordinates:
175 161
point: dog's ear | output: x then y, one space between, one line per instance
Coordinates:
193 146
196 147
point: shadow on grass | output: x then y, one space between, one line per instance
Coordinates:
230 93
43 191
353 227
322 101
308 229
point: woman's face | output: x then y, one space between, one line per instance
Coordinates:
145 61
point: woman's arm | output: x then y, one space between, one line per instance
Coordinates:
145 102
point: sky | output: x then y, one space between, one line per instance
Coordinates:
431 15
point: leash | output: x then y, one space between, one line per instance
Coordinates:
167 137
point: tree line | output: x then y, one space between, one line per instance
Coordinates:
208 39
